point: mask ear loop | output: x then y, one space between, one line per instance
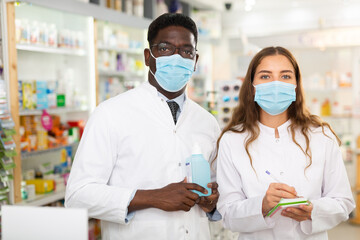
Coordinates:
149 65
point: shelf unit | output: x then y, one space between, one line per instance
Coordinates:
109 58
121 50
43 199
41 49
51 111
25 155
120 74
94 13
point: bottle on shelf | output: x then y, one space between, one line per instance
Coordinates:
53 36
110 4
326 108
336 109
118 5
348 156
138 8
161 7
129 7
315 107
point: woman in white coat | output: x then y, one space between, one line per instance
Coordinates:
272 131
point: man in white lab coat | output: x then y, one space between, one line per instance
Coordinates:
129 168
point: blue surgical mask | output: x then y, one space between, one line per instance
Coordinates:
275 97
173 72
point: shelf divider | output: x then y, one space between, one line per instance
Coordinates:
43 199
92 10
42 49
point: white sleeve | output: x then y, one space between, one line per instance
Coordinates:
93 165
240 214
337 201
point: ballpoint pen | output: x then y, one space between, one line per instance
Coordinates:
272 176
276 180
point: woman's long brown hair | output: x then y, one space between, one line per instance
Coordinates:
247 113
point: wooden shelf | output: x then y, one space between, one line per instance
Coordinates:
25 155
43 199
42 49
51 111
122 50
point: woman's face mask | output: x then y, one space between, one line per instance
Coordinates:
173 72
275 97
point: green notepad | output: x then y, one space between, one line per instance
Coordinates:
287 202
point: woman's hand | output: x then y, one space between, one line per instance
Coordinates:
273 195
301 213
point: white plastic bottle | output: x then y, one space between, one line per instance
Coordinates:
198 170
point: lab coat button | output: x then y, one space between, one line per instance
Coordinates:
187 231
174 131
277 140
179 164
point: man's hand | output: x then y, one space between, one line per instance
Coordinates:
299 214
209 203
173 197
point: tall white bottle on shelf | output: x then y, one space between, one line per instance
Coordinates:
198 170
161 7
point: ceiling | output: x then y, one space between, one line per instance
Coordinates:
237 5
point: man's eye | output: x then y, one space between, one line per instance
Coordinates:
164 49
188 52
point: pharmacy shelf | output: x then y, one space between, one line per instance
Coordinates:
121 50
41 49
119 74
326 90
51 111
91 10
43 199
25 155
338 117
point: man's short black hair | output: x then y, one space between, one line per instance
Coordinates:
171 19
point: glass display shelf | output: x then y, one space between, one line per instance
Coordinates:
121 50
43 199
27 112
51 50
328 90
111 73
25 155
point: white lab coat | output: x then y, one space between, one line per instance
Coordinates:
324 183
130 142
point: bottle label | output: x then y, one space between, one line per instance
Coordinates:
188 172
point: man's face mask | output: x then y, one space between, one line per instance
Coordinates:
173 72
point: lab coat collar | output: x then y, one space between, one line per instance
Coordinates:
283 129
153 91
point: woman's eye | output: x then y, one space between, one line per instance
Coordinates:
286 77
264 77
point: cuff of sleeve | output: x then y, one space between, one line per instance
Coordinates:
308 226
129 216
214 215
264 222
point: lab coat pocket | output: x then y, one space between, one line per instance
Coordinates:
144 229
203 232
